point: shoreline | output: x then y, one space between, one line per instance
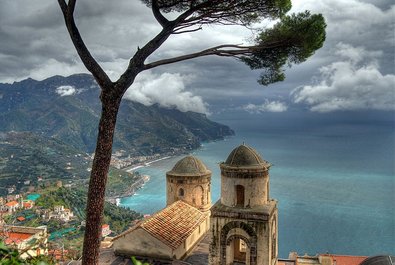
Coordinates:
116 199
145 178
140 165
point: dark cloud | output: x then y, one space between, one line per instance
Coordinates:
352 82
34 43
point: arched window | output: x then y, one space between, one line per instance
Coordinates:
181 192
239 195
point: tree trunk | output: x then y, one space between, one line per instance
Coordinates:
98 179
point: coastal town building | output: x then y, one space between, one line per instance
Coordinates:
12 206
172 232
32 240
59 213
28 204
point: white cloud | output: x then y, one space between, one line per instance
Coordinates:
267 106
167 90
66 91
352 82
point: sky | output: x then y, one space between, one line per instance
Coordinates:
353 71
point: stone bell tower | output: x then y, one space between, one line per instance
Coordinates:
243 222
189 181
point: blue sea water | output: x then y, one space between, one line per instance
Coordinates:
334 179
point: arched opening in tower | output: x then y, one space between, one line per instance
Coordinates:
198 193
240 195
239 251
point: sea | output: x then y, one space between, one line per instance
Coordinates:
333 176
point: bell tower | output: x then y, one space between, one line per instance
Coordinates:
243 222
189 181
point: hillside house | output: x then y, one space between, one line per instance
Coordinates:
27 204
12 206
22 237
59 213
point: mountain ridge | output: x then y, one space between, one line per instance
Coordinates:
68 109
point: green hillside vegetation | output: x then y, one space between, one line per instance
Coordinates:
25 156
120 182
70 234
35 106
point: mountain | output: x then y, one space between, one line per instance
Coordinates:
68 109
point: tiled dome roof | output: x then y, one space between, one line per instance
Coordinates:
244 155
189 166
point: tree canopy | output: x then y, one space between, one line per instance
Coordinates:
294 39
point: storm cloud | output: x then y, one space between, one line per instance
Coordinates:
353 82
35 43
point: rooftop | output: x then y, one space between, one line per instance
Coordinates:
173 224
15 237
245 156
189 166
11 203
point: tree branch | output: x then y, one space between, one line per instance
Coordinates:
136 63
186 31
63 6
220 50
71 6
87 59
158 15
225 50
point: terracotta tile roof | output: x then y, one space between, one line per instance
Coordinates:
27 205
21 218
11 203
346 260
13 237
172 225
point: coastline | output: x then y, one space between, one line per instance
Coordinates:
115 199
140 165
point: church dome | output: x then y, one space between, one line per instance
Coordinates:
189 166
245 156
